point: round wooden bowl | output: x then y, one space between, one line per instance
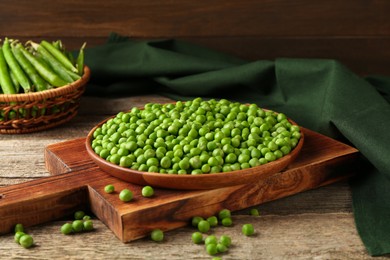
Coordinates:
193 182
37 111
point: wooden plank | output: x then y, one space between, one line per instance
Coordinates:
153 18
81 184
354 32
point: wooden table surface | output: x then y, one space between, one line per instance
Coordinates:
316 224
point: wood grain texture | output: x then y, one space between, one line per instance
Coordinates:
355 32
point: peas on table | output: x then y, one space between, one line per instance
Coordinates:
79 214
248 230
88 225
224 213
66 228
147 191
254 212
26 241
126 195
195 221
19 228
203 226
197 237
213 221
225 240
212 239
18 235
195 137
212 249
157 235
109 188
77 226
227 222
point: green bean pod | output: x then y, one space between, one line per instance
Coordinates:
15 67
80 60
14 81
43 70
53 63
5 79
39 83
60 56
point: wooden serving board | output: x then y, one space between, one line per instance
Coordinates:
77 183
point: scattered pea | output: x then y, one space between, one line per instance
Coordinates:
211 240
227 222
203 226
224 213
254 212
19 228
221 248
109 188
147 191
213 221
248 230
225 240
66 229
211 249
86 217
157 235
79 215
88 225
195 221
18 235
197 237
26 241
126 195
77 226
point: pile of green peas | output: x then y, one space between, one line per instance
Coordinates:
195 137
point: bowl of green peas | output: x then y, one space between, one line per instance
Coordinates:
197 144
40 85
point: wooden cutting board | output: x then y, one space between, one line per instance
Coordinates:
77 183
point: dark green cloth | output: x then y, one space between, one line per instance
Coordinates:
319 94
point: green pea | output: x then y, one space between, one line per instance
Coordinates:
147 191
211 240
227 222
254 212
66 229
88 225
79 214
248 230
26 241
195 221
211 249
157 235
197 237
221 248
126 195
77 226
109 188
18 235
224 213
225 240
19 228
203 226
213 221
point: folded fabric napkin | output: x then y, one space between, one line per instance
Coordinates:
318 94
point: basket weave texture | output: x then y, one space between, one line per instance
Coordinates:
32 112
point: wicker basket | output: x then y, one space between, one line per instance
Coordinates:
31 112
